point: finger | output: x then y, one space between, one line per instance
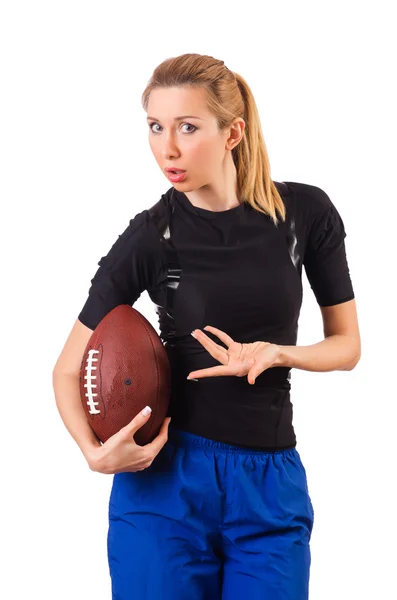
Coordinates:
138 421
254 372
261 363
214 349
251 377
211 372
224 337
160 440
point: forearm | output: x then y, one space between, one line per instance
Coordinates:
67 395
334 353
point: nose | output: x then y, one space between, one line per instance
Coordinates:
170 148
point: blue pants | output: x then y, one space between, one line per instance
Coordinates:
211 521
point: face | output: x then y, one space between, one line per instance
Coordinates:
193 143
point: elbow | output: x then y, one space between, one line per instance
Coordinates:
59 373
355 356
354 362
55 372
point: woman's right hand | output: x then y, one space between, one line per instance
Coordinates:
121 453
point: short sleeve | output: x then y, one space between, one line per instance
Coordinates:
123 274
325 259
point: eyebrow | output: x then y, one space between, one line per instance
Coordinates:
178 118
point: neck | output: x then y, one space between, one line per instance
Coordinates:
220 195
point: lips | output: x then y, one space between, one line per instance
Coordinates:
176 177
177 171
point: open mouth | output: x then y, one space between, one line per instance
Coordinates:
176 176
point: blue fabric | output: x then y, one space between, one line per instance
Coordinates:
211 521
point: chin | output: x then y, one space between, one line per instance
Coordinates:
180 184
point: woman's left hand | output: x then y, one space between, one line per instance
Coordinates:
237 359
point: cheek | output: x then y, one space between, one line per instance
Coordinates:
202 153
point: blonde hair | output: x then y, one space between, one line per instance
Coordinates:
228 97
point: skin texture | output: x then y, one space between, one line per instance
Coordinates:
199 147
205 152
338 351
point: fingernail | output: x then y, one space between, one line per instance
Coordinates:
191 379
193 334
147 410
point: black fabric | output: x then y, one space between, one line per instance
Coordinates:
123 274
325 256
237 271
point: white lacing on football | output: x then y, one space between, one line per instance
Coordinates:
89 385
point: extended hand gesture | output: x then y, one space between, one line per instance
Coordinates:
238 358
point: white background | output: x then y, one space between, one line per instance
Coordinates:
76 166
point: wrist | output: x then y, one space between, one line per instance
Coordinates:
93 456
280 356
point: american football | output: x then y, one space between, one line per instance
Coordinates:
124 368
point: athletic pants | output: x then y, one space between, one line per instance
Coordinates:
211 521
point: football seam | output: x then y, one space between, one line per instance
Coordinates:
157 369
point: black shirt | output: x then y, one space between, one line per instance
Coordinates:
237 271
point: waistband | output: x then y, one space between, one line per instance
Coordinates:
197 442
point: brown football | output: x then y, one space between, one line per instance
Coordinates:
125 367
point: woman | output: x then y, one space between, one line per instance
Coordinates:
217 506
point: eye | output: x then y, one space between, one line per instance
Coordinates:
188 124
150 126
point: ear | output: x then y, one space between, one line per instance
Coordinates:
236 132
